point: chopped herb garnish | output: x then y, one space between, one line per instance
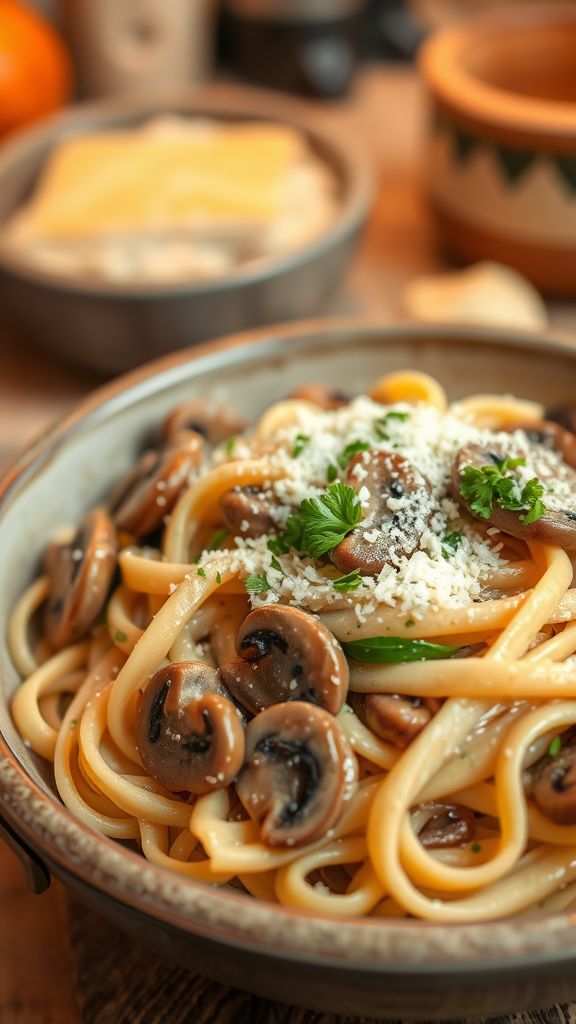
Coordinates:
276 564
218 578
352 449
476 848
555 747
277 545
385 650
349 582
201 572
383 421
299 444
256 584
409 623
230 445
499 484
321 523
216 539
73 723
120 637
450 543
332 472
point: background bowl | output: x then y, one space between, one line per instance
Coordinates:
111 327
394 969
501 168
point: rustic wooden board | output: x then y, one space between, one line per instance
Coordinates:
120 982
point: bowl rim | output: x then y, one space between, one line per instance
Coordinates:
440 62
214 100
71 849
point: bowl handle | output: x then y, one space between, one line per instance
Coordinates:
37 874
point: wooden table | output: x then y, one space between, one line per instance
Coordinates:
386 116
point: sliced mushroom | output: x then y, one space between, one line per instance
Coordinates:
286 654
80 574
555 526
564 415
325 398
188 733
445 825
552 436
392 717
299 773
151 490
213 421
397 512
554 788
246 511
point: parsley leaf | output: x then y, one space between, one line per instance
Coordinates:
450 543
555 747
218 578
230 445
256 584
201 572
321 523
120 637
348 582
352 449
216 539
385 650
299 444
484 486
275 564
277 545
383 421
331 472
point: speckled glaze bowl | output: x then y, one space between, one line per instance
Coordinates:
389 969
501 162
113 326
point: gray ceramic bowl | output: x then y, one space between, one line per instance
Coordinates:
113 327
391 969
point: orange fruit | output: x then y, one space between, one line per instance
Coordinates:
35 69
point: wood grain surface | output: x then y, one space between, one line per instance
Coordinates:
116 981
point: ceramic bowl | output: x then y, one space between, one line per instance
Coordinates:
391 969
501 166
111 327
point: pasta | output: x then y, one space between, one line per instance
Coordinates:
328 659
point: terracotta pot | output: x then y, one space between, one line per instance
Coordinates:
501 166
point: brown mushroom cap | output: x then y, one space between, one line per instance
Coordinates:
554 789
555 527
246 511
551 435
392 717
213 421
286 654
80 574
150 491
564 414
188 733
298 774
446 825
387 475
325 398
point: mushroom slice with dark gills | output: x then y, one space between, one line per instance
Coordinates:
557 525
324 398
564 415
298 774
80 574
247 511
399 509
151 490
188 732
441 826
392 717
286 654
552 436
212 420
554 785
